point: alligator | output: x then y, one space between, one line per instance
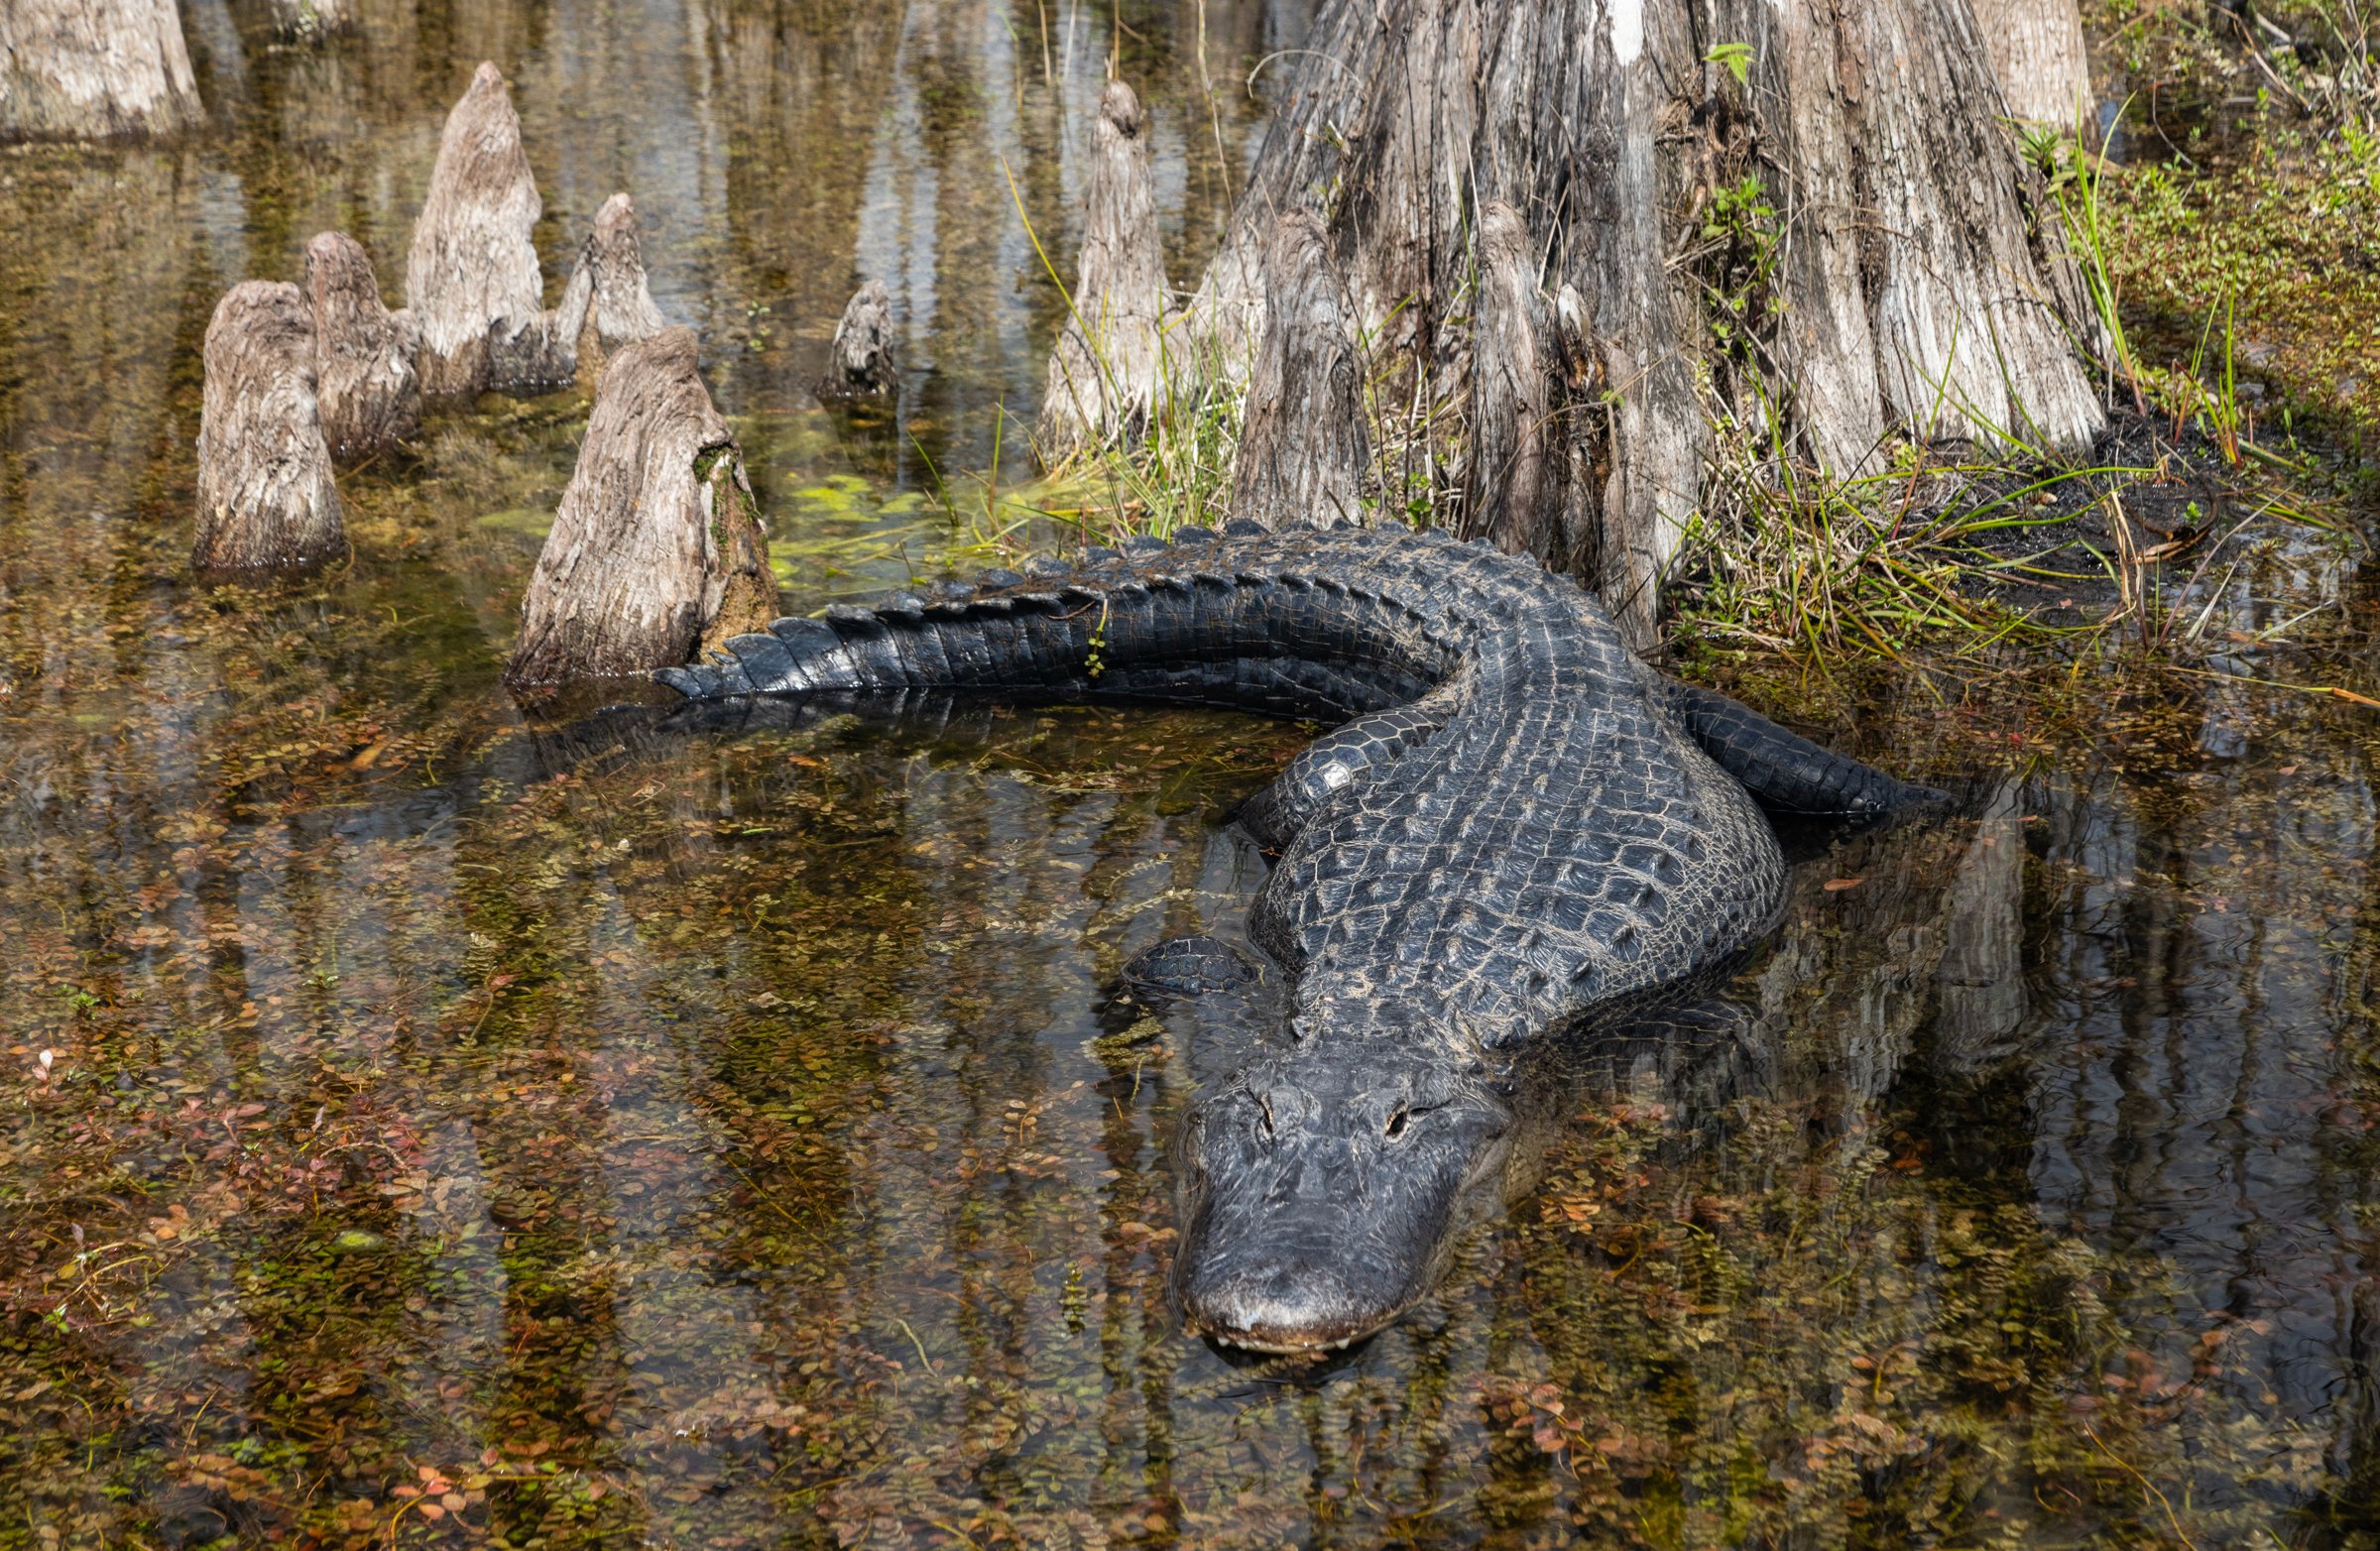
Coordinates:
1516 833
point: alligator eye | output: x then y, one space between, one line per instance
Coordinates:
1264 1109
1397 1121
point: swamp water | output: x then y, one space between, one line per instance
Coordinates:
421 1126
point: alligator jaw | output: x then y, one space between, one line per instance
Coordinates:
1310 1349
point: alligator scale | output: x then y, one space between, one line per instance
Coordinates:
1518 831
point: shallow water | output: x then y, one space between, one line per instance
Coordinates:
422 1125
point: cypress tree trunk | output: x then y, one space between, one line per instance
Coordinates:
92 70
2037 49
1738 209
1303 447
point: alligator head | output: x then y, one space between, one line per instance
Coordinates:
1326 1186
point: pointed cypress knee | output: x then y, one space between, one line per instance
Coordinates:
1304 448
472 276
656 554
265 491
369 393
606 304
1106 376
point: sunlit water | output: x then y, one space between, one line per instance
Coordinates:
421 1126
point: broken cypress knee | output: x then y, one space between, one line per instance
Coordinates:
1304 448
265 491
369 394
657 553
863 363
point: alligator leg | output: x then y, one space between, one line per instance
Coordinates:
1359 752
1786 773
1190 967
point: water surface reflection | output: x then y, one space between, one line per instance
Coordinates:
730 1139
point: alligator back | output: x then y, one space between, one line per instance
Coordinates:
1546 843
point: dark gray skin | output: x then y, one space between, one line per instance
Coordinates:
1516 834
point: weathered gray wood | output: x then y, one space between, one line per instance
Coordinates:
1106 375
472 276
657 553
1223 328
607 304
265 491
1918 290
861 362
1512 500
2041 58
94 69
369 393
310 19
1304 446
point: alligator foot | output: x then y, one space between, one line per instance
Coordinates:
1190 967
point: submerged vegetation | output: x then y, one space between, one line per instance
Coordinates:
423 1127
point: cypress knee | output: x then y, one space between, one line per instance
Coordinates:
265 491
1105 376
1304 446
472 276
369 393
863 365
606 304
657 553
71 69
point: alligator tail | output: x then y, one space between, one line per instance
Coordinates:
1153 623
1786 773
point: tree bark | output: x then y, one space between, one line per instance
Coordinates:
310 20
1106 376
1845 238
1513 501
1304 448
863 364
2043 64
472 277
370 394
265 491
94 69
606 304
656 551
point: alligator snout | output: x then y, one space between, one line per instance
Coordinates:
1282 1306
1323 1190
